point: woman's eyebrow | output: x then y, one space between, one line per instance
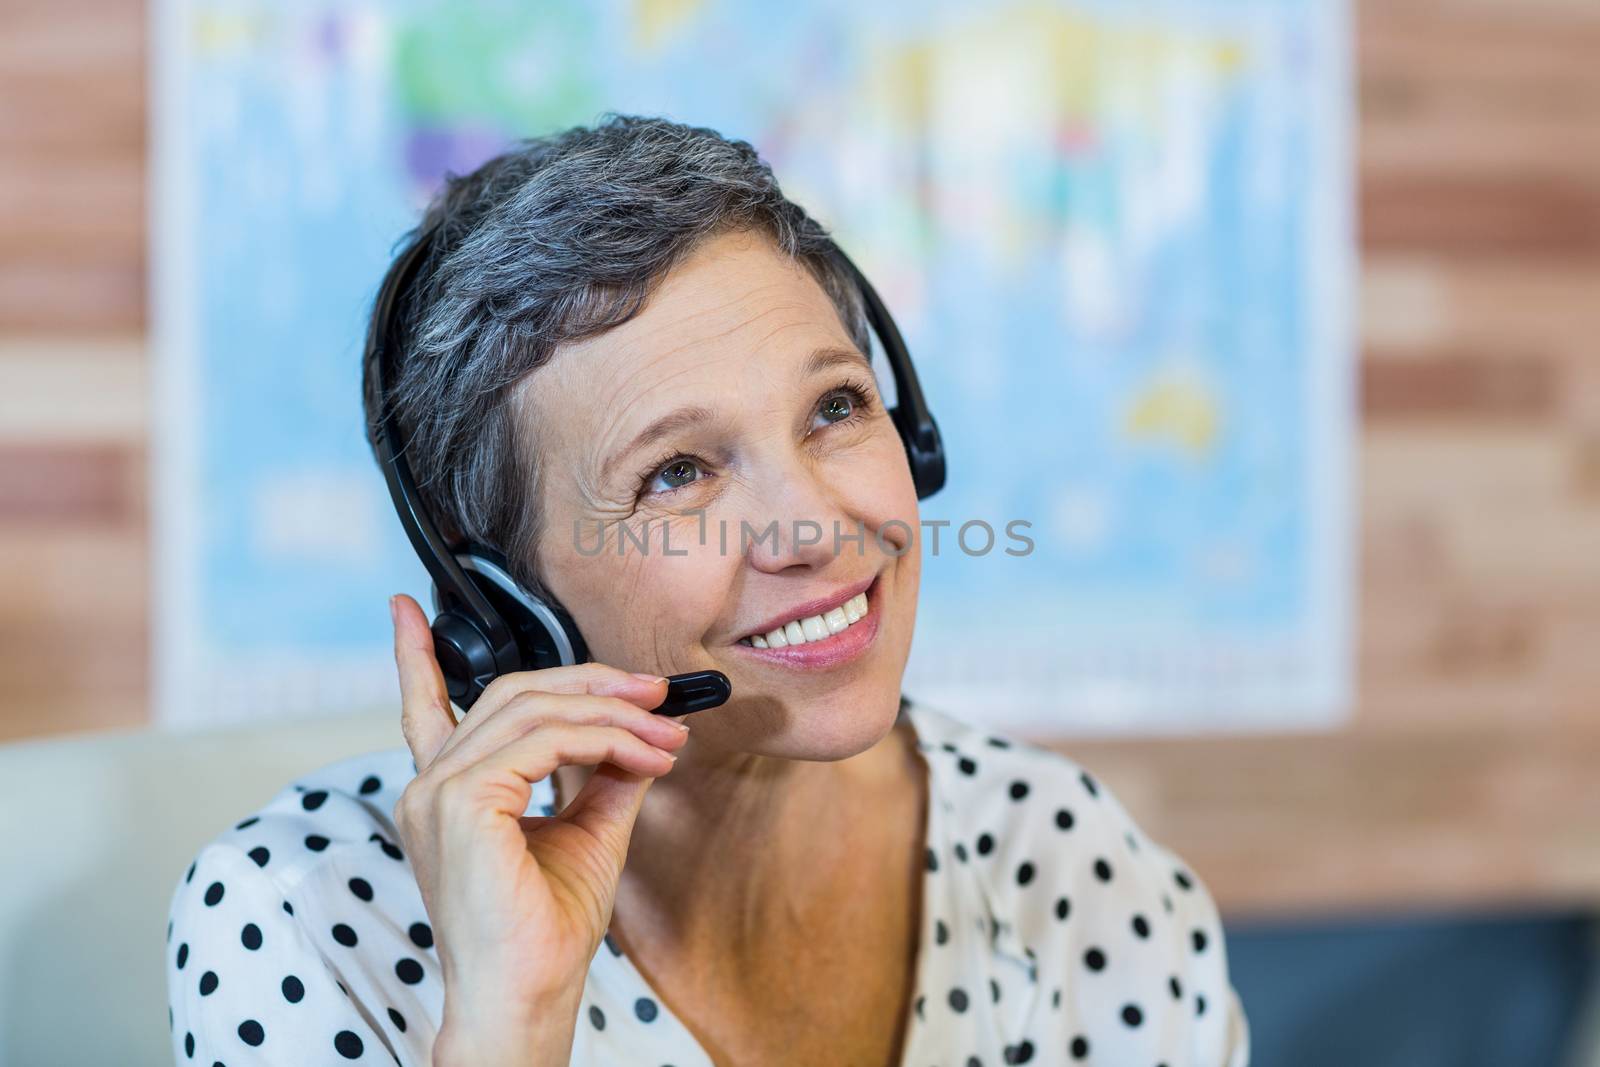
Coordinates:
698 414
832 356
667 425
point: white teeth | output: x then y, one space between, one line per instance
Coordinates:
814 627
855 607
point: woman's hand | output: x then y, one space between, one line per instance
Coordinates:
519 904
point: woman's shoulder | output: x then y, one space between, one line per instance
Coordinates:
1079 886
276 928
347 804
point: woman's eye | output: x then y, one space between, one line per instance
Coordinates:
837 408
675 475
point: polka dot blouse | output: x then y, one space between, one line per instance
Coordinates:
1054 931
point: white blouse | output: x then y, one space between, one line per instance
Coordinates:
1053 932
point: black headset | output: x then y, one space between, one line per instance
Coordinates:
485 623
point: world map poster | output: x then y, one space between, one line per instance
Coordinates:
1117 237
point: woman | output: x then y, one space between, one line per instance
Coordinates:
819 871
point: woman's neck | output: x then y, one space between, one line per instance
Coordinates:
738 848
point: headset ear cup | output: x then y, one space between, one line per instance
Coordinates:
927 461
465 657
545 634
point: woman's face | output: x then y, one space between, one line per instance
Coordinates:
669 542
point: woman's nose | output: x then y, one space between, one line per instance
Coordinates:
801 521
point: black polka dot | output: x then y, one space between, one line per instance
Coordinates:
391 850
1133 846
917 1006
958 999
183 955
361 888
260 855
313 800
645 1009
213 894
208 983
1198 937
1080 1047
348 1044
973 1061
188 1044
250 936
370 784
597 1017
294 990
1021 1052
1063 907
1019 789
968 765
1088 783
398 1020
422 935
611 944
169 931
344 935
250 1032
169 1017
288 907
1182 880
408 970
999 742
1132 1015
985 844
1166 902
1064 819
1102 870
316 842
1176 987
941 932
190 874
994 991
1199 1005
1055 998
342 989
1094 959
933 860
1141 926
1025 873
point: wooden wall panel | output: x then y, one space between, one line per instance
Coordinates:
1468 777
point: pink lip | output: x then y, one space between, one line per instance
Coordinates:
840 648
812 607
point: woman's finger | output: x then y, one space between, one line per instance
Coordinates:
503 781
609 800
597 679
528 710
426 720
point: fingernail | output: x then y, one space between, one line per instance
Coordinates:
680 725
647 677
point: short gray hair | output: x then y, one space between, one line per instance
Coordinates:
557 239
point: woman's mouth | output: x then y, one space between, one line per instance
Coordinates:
813 627
823 640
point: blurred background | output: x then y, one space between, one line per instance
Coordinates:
1290 308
